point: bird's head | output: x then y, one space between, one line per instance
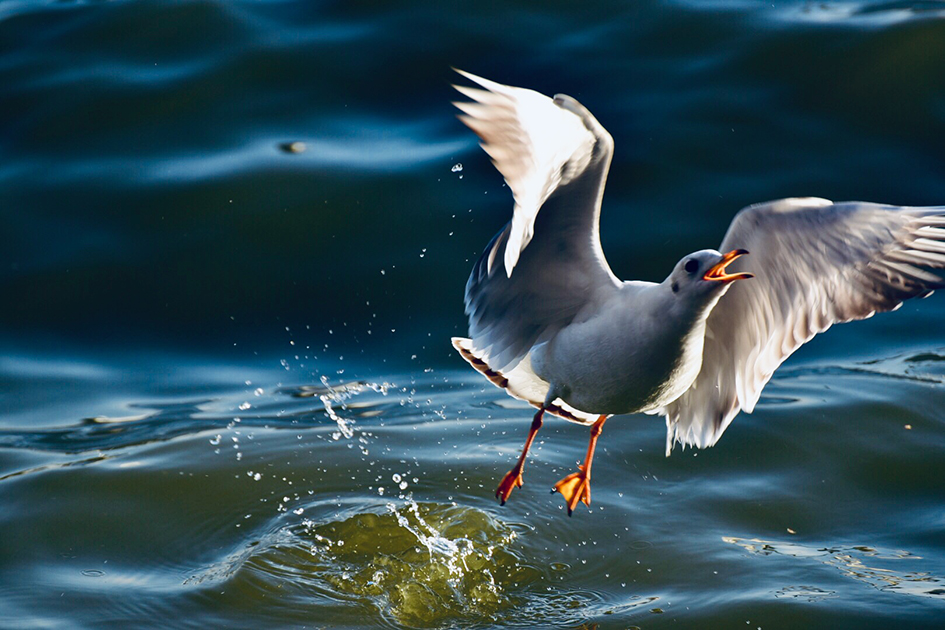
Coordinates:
702 276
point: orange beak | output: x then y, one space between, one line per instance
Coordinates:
717 272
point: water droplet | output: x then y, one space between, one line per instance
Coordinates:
457 168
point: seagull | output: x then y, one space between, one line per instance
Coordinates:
551 324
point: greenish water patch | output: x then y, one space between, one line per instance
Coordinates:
422 564
411 564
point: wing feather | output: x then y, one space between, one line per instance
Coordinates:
816 264
555 156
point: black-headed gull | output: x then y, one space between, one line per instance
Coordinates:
551 324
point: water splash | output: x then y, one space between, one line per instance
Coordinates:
453 552
420 563
340 395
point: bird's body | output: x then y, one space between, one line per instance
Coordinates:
640 334
551 324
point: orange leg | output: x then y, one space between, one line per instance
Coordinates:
577 486
513 478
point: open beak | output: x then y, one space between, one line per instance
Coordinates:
717 272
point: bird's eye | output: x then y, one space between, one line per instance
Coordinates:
692 266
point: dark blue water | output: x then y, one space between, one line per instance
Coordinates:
227 394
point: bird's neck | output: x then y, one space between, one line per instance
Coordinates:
689 312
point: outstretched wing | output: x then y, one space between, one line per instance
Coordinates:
816 263
555 156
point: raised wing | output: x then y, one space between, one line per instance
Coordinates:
816 263
555 156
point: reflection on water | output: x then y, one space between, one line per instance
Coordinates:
852 562
808 593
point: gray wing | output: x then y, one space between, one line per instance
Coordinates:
816 263
547 263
